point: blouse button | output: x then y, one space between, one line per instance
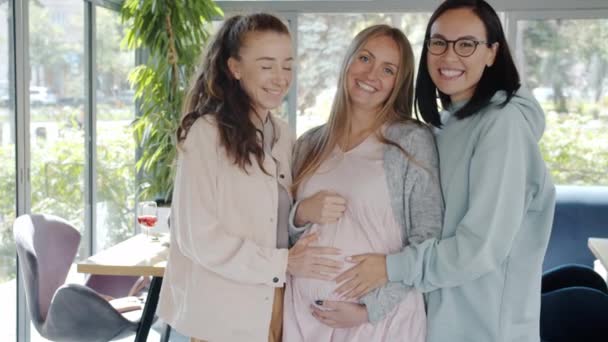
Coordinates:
282 176
275 280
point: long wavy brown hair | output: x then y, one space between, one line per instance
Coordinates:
215 91
396 108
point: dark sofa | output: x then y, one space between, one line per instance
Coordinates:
580 212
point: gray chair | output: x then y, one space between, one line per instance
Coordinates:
46 246
574 304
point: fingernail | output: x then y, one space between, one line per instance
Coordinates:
319 302
348 258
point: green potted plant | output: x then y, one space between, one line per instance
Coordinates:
173 34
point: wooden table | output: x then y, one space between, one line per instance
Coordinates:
137 256
599 248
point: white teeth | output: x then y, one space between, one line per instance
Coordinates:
366 87
451 72
274 92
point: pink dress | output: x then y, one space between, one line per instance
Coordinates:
368 225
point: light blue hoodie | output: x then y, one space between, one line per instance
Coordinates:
483 275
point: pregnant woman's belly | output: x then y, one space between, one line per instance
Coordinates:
351 239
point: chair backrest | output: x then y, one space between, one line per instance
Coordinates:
46 246
581 212
574 314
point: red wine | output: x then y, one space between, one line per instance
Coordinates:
147 220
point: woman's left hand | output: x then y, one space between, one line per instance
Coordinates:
368 274
340 314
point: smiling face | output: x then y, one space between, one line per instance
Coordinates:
452 74
372 73
264 69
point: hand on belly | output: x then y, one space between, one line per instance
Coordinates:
315 289
352 239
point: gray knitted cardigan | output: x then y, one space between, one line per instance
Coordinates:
414 188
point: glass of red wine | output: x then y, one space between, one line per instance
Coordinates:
147 215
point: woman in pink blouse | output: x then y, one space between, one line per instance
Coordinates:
366 181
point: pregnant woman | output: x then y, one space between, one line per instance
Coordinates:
366 181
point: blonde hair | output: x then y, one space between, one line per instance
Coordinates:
397 107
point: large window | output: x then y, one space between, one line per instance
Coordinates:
8 193
565 64
57 110
322 42
115 181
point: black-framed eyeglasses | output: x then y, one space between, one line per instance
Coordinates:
463 47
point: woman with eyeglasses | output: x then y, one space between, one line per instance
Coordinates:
482 277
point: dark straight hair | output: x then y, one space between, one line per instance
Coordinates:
502 75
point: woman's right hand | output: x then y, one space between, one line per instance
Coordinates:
321 208
311 262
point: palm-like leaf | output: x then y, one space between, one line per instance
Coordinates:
174 33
